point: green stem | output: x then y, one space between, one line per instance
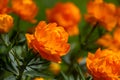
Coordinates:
90 33
18 24
21 71
118 1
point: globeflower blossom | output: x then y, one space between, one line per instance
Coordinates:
49 40
104 65
6 23
101 13
4 6
66 15
26 9
111 41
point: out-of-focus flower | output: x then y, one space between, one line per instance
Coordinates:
66 15
6 23
54 68
39 78
111 41
4 6
49 40
79 59
102 13
105 40
26 9
118 16
104 65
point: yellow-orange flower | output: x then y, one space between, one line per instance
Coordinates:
39 78
26 9
102 13
49 40
104 65
3 6
111 41
54 68
6 23
66 15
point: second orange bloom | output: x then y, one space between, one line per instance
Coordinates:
103 13
66 15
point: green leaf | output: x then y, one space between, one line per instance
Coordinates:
64 76
5 39
80 72
10 78
71 77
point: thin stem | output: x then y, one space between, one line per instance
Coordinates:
18 23
80 72
90 33
21 72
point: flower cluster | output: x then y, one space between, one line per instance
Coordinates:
103 65
49 39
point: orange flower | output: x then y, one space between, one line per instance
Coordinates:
66 15
105 40
26 9
49 40
104 65
118 16
6 23
102 13
3 6
109 41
